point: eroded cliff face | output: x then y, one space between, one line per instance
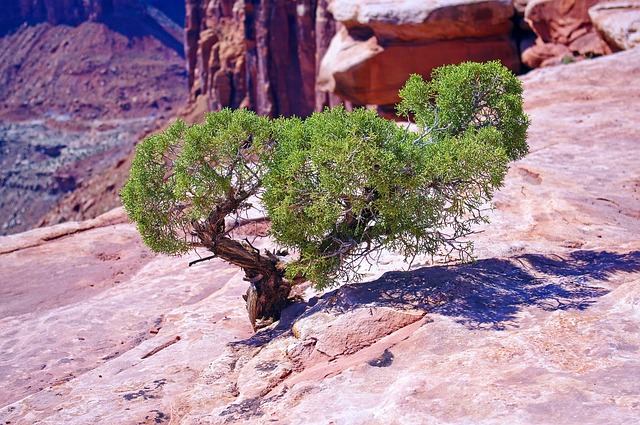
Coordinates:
261 55
293 57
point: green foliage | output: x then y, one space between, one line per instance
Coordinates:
323 186
469 96
148 196
184 173
341 186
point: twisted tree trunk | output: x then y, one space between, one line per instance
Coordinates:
268 291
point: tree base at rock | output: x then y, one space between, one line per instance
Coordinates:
268 291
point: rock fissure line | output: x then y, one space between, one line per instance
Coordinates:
161 347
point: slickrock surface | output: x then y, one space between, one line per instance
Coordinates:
543 329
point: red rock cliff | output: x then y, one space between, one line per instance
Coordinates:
258 54
286 57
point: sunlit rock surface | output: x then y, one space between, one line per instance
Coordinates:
618 22
543 328
564 31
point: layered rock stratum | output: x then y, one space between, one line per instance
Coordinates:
291 58
544 328
570 30
618 22
260 55
381 43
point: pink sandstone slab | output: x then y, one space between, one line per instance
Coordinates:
544 328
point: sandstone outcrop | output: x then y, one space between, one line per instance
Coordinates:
564 31
618 23
381 43
410 20
284 58
520 6
543 328
259 55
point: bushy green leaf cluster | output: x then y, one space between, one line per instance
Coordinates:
469 96
340 186
183 174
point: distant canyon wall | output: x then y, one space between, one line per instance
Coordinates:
80 83
71 12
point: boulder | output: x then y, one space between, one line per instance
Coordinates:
413 20
366 72
618 22
381 44
561 22
545 54
338 333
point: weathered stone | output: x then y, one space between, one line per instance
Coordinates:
340 333
559 21
368 72
136 334
282 62
325 30
543 328
562 22
381 44
414 20
259 374
618 22
258 55
543 54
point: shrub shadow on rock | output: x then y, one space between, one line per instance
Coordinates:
487 294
